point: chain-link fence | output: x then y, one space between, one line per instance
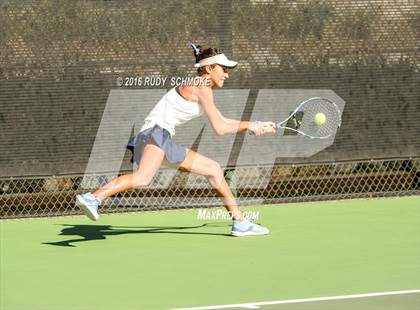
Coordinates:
53 196
59 61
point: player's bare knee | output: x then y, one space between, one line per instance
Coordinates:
217 174
216 170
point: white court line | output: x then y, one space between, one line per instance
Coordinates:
256 305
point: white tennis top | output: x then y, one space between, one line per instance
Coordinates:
172 110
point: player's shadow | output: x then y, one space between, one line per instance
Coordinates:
100 232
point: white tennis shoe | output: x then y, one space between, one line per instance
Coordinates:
89 204
248 228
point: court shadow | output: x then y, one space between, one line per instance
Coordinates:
101 232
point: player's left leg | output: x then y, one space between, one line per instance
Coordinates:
150 163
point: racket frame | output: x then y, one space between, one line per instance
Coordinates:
280 124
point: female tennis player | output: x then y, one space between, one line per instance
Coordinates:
153 146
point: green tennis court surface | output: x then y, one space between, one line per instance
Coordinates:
161 260
398 302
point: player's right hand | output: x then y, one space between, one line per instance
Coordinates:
262 128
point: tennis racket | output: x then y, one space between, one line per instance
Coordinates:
315 118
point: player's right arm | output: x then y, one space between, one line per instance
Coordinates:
222 125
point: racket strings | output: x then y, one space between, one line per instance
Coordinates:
313 107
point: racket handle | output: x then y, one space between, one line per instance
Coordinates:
251 133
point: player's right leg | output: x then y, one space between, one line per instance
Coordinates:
150 163
197 163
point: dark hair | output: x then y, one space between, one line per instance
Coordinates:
206 53
203 53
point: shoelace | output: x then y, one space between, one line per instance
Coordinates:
257 227
99 201
254 226
95 199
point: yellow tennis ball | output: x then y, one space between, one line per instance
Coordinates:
320 118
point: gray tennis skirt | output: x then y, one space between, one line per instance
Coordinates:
174 153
